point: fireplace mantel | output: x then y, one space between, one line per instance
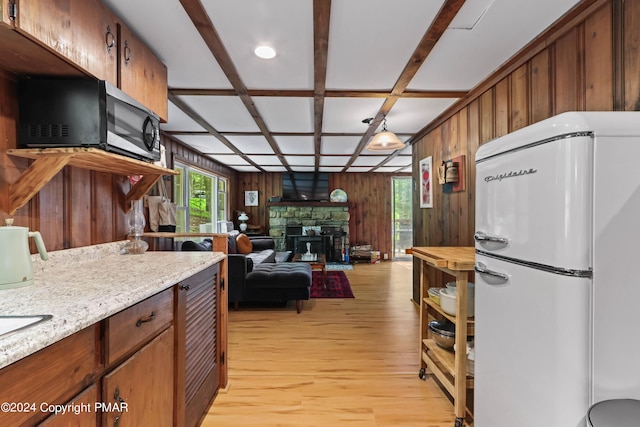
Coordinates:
313 204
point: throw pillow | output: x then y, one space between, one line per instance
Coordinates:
244 244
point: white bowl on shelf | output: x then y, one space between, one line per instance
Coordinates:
448 302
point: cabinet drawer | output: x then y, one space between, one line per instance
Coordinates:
125 331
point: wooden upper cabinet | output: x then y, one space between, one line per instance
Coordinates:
83 31
142 75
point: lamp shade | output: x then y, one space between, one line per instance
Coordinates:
243 217
385 141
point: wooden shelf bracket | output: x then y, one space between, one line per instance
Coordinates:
49 161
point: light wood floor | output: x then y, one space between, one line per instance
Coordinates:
351 362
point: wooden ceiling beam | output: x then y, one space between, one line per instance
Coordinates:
321 21
327 93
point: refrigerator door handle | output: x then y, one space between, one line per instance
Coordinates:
490 276
490 242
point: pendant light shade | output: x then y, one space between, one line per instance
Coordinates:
385 140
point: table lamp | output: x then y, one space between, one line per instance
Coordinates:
243 217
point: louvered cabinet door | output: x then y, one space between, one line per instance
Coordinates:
199 299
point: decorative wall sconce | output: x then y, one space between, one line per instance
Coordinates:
448 172
451 175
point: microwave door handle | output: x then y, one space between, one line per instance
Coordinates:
491 242
491 277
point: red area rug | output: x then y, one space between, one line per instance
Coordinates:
337 285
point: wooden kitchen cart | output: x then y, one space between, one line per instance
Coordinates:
450 368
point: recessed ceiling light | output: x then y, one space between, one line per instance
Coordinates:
265 52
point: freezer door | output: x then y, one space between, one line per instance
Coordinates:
531 347
534 203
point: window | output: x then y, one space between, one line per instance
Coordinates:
402 225
201 200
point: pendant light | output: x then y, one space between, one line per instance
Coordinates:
385 140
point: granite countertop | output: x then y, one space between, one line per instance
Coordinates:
82 286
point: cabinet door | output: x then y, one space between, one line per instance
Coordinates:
83 31
139 392
199 345
80 411
53 375
142 75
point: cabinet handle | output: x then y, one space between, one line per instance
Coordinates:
120 401
109 39
146 319
127 52
185 287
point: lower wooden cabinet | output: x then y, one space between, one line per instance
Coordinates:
198 347
156 363
139 392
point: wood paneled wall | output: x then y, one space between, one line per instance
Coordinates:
369 199
587 61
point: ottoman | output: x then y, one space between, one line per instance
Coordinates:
279 282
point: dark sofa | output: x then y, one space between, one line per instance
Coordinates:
240 265
255 276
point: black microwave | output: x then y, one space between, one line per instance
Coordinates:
79 112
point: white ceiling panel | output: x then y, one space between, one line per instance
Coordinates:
274 168
205 143
286 114
470 14
462 58
411 114
250 144
331 168
224 113
285 25
300 160
295 144
368 160
334 160
179 121
185 54
346 114
406 170
399 161
339 144
229 160
372 40
303 168
266 160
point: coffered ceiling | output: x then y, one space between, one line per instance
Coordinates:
337 63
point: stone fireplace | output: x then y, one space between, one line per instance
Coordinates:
288 219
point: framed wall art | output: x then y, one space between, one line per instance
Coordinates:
251 198
426 183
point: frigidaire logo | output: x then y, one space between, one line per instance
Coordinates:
512 174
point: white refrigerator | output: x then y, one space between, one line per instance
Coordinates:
557 270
